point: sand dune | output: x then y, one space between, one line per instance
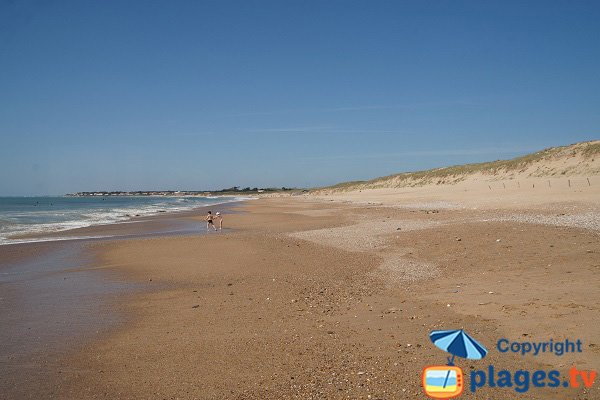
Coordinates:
577 160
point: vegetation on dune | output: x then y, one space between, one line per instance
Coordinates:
343 185
457 173
591 149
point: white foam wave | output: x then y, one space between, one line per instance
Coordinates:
11 231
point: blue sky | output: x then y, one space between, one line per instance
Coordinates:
209 94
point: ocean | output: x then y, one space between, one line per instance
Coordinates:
39 215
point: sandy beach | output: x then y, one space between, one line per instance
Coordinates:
315 297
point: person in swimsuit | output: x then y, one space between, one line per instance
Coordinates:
220 219
209 221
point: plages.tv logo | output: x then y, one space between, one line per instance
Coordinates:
447 381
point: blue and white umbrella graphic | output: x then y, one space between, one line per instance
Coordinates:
458 343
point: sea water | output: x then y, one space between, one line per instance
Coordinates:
38 215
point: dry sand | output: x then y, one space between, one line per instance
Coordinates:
481 194
309 298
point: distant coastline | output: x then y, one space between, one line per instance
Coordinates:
234 191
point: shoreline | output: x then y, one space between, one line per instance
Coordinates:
149 224
56 298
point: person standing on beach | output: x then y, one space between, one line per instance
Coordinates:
220 219
209 221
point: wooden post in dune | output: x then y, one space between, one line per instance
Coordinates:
569 183
519 184
589 184
490 187
549 185
503 185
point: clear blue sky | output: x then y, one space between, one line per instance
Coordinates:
209 94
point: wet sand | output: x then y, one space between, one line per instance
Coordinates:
54 299
307 299
51 303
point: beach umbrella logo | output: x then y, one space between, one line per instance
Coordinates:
446 381
458 343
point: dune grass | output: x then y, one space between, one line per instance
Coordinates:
457 173
591 149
